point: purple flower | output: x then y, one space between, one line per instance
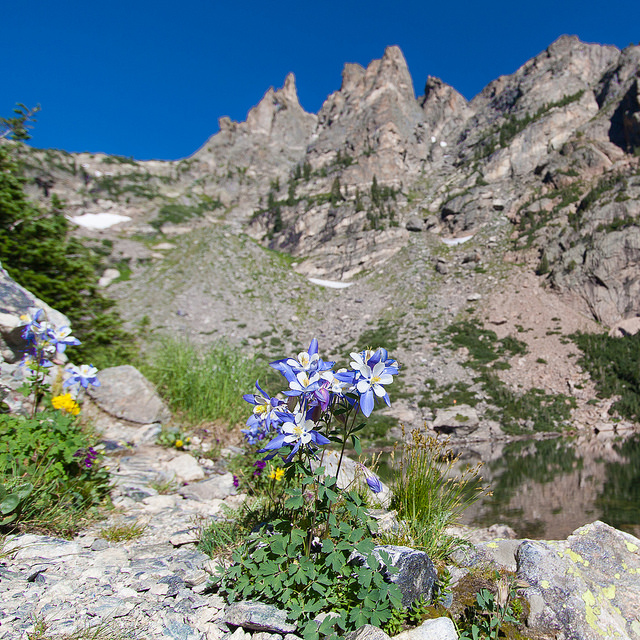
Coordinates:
259 465
89 456
372 480
236 482
374 484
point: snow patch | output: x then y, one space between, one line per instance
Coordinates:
452 242
332 284
99 220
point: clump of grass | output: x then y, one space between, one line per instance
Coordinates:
123 532
220 536
385 334
429 496
164 486
202 384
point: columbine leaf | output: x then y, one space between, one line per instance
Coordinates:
295 502
327 545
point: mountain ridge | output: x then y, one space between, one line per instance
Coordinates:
539 173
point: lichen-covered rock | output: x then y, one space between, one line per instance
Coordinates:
585 587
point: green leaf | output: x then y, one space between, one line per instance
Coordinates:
10 503
296 502
331 495
356 444
327 545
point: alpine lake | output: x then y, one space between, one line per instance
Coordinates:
547 488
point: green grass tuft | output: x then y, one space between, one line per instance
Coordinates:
123 532
202 383
429 497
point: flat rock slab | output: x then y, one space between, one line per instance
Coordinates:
434 629
185 467
259 617
218 487
125 393
587 586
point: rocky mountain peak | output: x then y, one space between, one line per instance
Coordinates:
275 107
444 108
351 75
392 70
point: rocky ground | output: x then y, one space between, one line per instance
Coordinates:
152 584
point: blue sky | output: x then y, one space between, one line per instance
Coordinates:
150 78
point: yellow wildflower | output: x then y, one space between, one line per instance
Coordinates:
276 474
179 444
66 403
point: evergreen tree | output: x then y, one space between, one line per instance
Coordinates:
38 253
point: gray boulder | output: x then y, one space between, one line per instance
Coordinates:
367 632
415 574
125 393
414 224
350 474
461 420
434 629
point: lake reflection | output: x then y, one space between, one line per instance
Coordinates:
549 488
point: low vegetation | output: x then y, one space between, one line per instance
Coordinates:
50 480
533 410
612 364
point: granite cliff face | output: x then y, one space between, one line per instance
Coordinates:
436 204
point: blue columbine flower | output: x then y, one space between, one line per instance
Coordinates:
31 323
265 407
371 383
302 383
298 432
307 361
84 375
372 369
61 338
372 480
